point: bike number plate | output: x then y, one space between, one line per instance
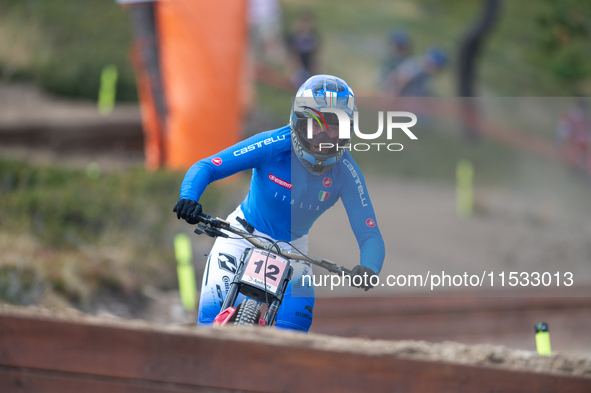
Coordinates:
255 274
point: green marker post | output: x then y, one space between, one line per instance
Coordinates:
93 170
107 90
185 271
543 339
465 188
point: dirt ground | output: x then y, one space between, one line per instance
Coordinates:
509 232
476 355
22 104
25 107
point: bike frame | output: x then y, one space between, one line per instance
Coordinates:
213 227
239 285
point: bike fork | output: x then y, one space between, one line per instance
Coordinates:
271 312
272 309
231 296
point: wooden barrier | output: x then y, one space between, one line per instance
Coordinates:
45 354
465 319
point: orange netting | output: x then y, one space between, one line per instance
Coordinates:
201 50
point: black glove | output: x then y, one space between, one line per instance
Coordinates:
187 210
366 274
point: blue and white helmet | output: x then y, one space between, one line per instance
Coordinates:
318 93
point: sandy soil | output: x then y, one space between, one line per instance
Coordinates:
422 232
477 355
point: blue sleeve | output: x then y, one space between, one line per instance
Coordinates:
250 153
361 215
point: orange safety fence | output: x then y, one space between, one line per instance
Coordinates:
201 47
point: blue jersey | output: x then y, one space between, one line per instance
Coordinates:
285 199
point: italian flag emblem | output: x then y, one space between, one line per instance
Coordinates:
323 196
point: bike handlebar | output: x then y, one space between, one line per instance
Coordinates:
213 227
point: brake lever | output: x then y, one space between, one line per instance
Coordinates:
200 230
211 232
346 271
213 222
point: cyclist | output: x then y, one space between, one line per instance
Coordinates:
295 179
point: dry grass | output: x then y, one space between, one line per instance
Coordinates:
66 236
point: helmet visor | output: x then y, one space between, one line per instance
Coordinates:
319 137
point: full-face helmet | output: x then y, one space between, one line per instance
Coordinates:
315 132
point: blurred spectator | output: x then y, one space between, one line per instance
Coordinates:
399 49
413 77
303 42
266 42
574 134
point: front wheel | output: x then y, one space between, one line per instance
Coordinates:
249 313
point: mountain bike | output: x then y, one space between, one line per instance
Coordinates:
263 274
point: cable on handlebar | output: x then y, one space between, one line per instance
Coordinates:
213 231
